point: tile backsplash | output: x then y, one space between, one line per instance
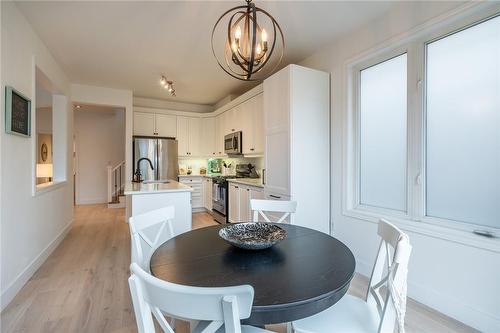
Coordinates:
196 164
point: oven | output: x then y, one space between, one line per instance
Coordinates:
233 144
219 200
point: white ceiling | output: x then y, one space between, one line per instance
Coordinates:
128 45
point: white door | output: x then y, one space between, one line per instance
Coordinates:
276 126
208 137
207 190
194 136
234 203
183 135
166 125
245 204
144 124
258 125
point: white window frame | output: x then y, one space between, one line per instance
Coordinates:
414 44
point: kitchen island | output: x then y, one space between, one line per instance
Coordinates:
145 197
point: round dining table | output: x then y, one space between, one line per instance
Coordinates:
304 274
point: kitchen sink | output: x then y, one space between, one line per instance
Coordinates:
156 182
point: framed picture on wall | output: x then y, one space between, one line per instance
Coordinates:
17 113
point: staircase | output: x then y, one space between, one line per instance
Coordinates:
116 185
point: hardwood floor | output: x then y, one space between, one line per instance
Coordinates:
82 287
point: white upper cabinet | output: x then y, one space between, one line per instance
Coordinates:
166 125
276 120
219 135
144 124
188 135
155 124
195 138
208 137
183 135
252 124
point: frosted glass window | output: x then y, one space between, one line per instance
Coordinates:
463 125
383 134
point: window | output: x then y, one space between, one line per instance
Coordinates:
463 125
424 130
382 128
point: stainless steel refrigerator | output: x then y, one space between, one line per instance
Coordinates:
163 154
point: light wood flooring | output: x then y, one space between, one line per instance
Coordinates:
82 287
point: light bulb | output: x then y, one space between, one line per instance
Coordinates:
258 49
166 86
237 33
234 47
163 81
264 35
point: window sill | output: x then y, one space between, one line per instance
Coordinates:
48 187
430 229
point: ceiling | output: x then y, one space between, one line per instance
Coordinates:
128 45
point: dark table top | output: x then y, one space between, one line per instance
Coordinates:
302 275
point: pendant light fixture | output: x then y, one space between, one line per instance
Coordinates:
251 43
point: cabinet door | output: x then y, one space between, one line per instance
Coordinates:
258 134
234 203
183 135
194 137
207 196
208 137
230 123
219 135
276 127
166 125
245 204
144 124
244 114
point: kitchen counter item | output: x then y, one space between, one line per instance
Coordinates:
252 235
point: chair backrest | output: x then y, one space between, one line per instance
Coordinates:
148 231
220 306
258 207
387 288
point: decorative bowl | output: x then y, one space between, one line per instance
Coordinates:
252 235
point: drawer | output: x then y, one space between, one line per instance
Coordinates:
190 180
276 196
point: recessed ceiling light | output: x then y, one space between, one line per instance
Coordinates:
78 106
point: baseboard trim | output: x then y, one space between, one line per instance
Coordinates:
448 306
454 308
11 291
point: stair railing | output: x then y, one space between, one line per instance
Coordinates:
116 182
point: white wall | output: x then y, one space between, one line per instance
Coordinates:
85 94
32 225
100 141
459 280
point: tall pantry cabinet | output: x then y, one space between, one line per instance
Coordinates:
297 143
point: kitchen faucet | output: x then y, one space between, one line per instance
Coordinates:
137 173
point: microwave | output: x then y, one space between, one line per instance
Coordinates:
232 143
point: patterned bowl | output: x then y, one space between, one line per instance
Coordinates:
252 235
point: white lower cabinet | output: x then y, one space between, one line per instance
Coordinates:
207 193
195 182
239 201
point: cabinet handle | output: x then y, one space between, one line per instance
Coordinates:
252 149
236 187
274 196
263 176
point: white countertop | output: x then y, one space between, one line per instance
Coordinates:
257 182
141 188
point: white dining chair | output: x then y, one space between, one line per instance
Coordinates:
147 232
211 309
385 303
259 207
